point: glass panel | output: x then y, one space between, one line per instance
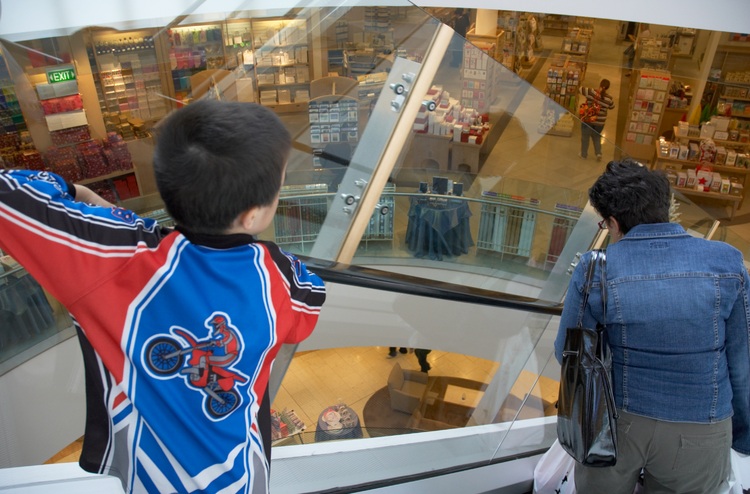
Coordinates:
358 46
31 321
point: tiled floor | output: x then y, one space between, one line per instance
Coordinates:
317 379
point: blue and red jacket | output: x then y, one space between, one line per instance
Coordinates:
135 290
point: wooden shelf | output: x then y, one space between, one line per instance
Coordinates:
718 142
710 195
292 84
735 200
735 47
108 176
719 168
734 98
281 65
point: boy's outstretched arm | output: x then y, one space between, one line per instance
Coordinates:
84 194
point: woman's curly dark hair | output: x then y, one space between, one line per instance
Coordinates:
632 194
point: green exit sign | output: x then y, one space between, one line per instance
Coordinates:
61 75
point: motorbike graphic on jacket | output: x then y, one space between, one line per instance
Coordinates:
208 363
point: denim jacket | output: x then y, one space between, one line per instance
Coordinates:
677 324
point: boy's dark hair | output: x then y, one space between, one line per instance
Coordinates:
216 159
632 194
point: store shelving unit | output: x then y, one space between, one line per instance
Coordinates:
333 119
479 71
528 40
298 218
12 120
680 165
282 68
128 80
380 227
653 53
728 86
505 228
560 25
193 49
648 99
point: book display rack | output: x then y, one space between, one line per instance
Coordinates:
127 79
646 107
504 227
301 211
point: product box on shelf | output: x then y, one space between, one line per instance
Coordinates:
691 179
721 155
693 151
683 154
671 176
721 135
725 186
62 121
62 104
69 170
716 182
57 90
703 178
721 124
70 136
731 157
707 130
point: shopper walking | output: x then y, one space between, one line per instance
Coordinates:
677 324
644 31
460 24
421 354
593 115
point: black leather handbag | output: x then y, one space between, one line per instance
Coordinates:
586 414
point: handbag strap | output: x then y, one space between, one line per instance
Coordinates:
598 257
602 261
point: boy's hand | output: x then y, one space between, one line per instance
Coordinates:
84 194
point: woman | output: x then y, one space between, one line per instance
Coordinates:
677 324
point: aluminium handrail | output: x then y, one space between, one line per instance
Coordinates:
366 277
493 202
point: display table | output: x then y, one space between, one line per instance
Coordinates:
458 395
429 151
286 426
338 422
466 155
438 227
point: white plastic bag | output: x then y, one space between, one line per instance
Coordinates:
739 479
554 472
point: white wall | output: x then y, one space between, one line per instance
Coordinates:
43 405
26 19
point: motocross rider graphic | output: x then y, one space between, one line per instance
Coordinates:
220 354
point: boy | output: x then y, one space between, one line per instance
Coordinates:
178 328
